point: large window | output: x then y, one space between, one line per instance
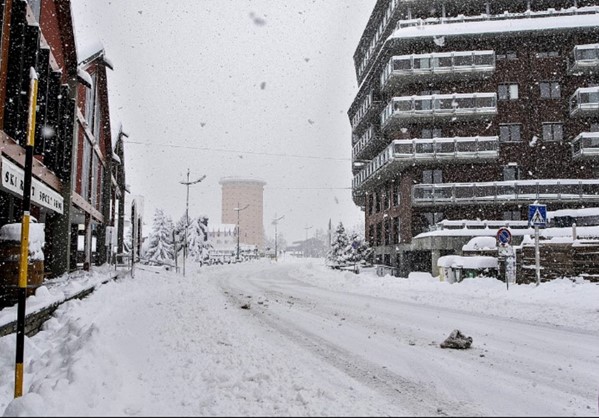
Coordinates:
432 176
553 132
507 91
510 132
396 236
550 90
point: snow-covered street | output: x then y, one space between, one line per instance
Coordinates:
312 341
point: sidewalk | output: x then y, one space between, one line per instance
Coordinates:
55 292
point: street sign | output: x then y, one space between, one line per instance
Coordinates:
537 215
504 236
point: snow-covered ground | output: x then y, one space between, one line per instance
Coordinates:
312 341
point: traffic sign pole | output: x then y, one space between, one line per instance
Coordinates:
537 255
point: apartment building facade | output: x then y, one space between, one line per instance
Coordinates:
472 110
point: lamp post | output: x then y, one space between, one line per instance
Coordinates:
238 209
275 223
188 183
306 242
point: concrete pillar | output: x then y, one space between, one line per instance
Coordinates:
435 255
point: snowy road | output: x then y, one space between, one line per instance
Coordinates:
314 342
393 348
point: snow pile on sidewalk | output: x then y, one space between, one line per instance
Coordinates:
59 289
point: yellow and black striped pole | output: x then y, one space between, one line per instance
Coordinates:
24 260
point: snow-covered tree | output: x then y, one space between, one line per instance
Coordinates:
348 250
197 236
160 247
360 250
340 247
197 239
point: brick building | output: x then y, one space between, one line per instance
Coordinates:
237 193
472 110
77 177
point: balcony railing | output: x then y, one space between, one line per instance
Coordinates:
458 105
402 153
518 191
584 101
366 139
403 67
586 145
571 11
366 106
584 58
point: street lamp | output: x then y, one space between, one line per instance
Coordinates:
238 209
275 223
306 242
188 183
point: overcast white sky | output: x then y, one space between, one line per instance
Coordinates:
234 88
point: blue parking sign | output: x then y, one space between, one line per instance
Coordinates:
537 215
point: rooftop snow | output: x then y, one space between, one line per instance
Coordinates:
496 26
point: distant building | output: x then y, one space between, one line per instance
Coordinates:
222 241
471 110
238 193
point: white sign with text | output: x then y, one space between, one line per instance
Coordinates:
13 180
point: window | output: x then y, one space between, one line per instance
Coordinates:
511 215
507 55
379 233
386 199
432 218
430 133
507 91
547 54
550 90
377 203
511 172
432 176
387 231
553 132
510 132
396 195
396 237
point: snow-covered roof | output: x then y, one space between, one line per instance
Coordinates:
475 262
541 22
84 77
232 179
573 212
480 243
221 227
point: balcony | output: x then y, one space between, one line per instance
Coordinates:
518 192
403 153
367 144
585 102
410 109
586 145
584 59
445 65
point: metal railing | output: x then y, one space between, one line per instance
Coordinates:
518 191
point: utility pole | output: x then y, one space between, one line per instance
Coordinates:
238 209
306 242
24 258
275 223
188 183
